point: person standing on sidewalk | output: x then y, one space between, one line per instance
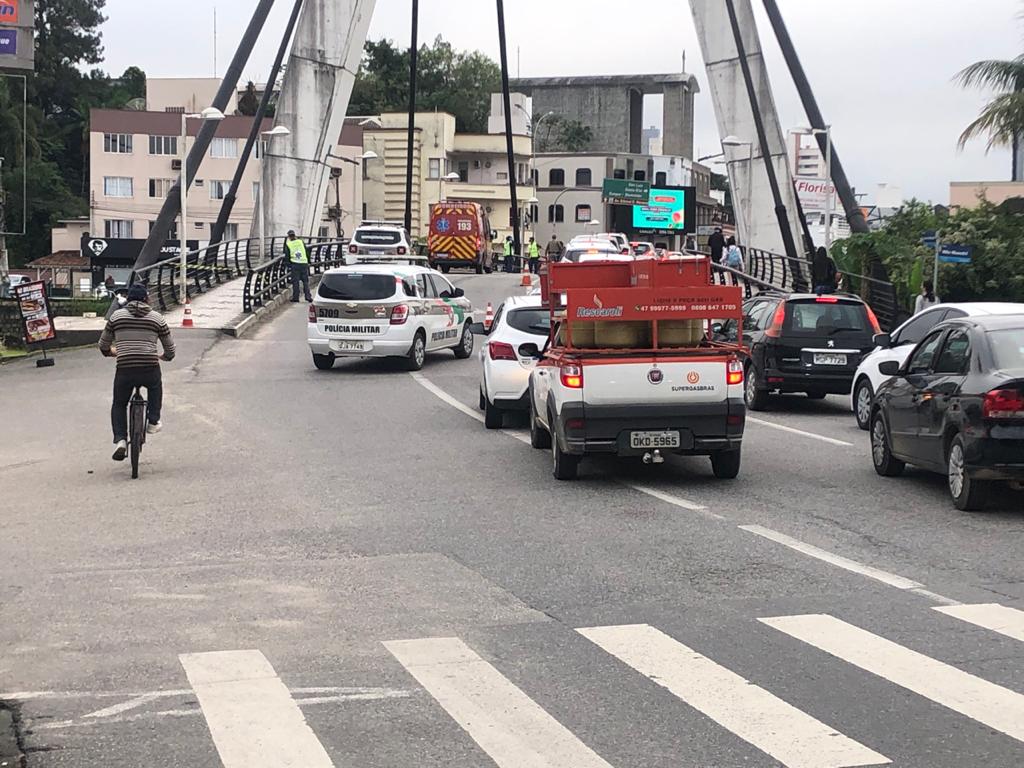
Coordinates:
509 254
554 249
533 250
717 245
131 336
298 259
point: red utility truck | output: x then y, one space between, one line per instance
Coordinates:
631 367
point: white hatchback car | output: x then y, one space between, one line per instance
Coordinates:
900 343
385 310
505 376
381 242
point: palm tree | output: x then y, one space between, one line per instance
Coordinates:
1002 119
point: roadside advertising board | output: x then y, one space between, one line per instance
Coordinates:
813 194
35 312
667 210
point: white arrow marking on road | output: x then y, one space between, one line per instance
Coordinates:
802 433
998 618
777 728
251 715
506 723
988 703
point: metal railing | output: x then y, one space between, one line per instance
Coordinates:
266 282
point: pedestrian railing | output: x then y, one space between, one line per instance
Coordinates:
266 282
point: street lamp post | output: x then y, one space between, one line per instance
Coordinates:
358 163
210 113
277 130
748 218
440 183
827 132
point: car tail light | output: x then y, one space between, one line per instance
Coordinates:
575 424
401 250
499 350
873 319
735 373
1004 404
312 313
400 314
572 376
775 331
827 300
353 248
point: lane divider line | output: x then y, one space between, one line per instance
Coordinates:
439 393
802 433
673 500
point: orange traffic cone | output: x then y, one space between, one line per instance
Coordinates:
489 316
526 281
186 321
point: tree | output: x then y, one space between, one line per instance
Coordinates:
249 103
574 136
1002 119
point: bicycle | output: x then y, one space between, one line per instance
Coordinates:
137 416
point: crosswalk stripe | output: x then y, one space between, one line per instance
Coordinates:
504 721
978 699
791 736
251 715
998 618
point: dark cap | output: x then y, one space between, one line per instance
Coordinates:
138 292
291 233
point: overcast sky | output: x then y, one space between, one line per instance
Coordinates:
881 69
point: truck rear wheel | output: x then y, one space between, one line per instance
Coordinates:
446 268
564 466
479 268
726 464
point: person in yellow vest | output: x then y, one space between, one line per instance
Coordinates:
298 259
533 251
509 250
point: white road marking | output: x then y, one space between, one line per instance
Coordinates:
673 500
789 735
251 715
998 618
431 387
124 706
988 703
504 721
802 433
839 561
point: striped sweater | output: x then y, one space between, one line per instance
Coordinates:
133 331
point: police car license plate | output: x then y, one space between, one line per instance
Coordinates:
654 440
827 359
353 346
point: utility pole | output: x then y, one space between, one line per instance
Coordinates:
410 140
5 267
510 147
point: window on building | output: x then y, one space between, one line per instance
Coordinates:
556 177
521 173
583 178
434 168
163 145
583 214
619 173
219 189
639 175
200 225
117 186
660 179
501 176
534 213
556 214
261 148
117 143
463 171
230 231
160 187
255 192
117 229
172 233
535 177
224 148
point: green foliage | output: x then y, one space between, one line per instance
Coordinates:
995 232
460 83
1002 119
249 103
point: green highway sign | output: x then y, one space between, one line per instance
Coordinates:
625 192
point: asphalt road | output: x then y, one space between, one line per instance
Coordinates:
345 568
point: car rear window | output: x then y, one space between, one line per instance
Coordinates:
1008 347
535 320
824 318
355 286
378 236
573 254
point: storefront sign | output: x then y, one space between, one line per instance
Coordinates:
17 35
813 194
8 42
9 12
35 312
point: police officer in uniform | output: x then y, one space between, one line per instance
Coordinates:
533 250
298 260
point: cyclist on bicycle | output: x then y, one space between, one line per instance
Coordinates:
131 336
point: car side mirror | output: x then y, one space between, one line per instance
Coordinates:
889 368
459 293
446 295
478 329
717 328
530 349
883 340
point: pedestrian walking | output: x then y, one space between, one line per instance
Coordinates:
926 298
5 287
734 256
554 249
717 245
823 272
298 260
509 254
533 251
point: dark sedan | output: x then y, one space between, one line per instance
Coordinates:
956 406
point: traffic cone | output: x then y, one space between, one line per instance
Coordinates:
526 282
186 321
489 316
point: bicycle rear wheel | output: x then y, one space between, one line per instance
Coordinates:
136 431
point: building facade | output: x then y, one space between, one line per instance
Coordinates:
968 194
813 186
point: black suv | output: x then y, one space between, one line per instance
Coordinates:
800 342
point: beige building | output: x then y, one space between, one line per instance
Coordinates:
184 94
479 161
966 194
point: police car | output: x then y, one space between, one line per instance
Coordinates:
380 242
385 310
